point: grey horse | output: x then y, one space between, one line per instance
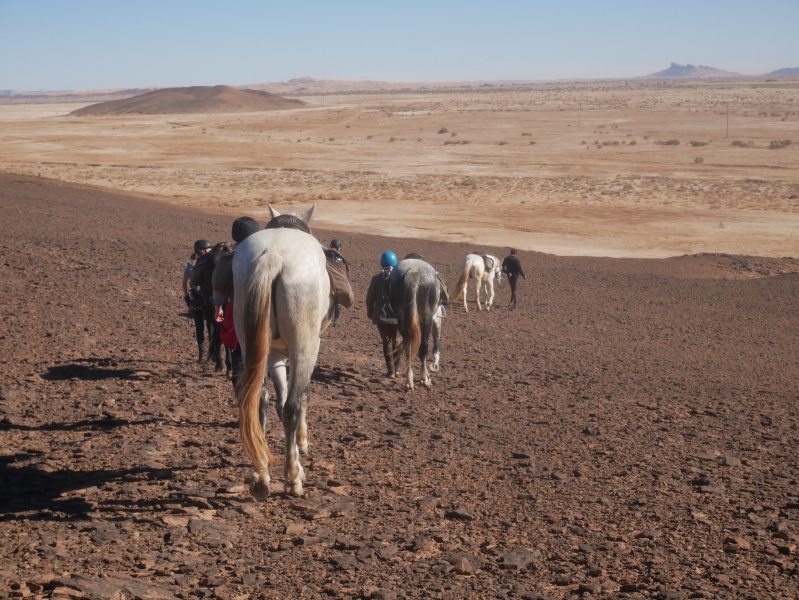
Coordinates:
415 299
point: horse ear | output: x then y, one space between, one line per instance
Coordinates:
308 215
273 212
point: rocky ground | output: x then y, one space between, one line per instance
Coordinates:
629 432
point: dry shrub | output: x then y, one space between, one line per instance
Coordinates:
443 130
698 144
456 142
742 144
532 142
777 144
667 142
368 137
633 143
503 143
699 160
527 134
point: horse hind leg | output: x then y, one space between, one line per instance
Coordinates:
465 290
477 293
263 408
408 371
277 369
302 432
302 368
425 376
489 294
436 340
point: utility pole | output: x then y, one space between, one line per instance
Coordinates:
728 121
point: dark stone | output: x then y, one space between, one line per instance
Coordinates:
345 562
461 514
517 559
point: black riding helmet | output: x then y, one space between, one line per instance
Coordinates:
201 245
244 227
335 244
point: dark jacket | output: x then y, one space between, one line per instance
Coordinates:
512 266
378 308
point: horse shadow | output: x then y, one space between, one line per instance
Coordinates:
91 369
327 374
33 494
109 423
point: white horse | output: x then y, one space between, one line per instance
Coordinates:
484 269
281 307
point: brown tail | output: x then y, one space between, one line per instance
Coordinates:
461 286
412 336
256 336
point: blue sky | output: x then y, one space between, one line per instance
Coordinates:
47 44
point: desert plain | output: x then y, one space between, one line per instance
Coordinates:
572 169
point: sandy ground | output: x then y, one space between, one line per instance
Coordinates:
568 169
631 431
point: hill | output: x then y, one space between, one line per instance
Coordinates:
676 71
784 72
192 100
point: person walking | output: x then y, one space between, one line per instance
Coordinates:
334 253
196 302
222 281
379 311
513 268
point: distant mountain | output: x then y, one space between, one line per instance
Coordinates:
785 72
44 97
309 85
192 100
676 71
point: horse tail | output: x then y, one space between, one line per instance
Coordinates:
461 285
256 335
412 334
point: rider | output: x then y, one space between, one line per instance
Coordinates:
334 252
378 309
513 267
243 227
195 301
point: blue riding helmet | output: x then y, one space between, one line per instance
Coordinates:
388 259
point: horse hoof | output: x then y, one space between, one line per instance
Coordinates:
428 384
294 489
433 368
303 450
259 490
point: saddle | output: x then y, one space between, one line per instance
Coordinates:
487 261
442 286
